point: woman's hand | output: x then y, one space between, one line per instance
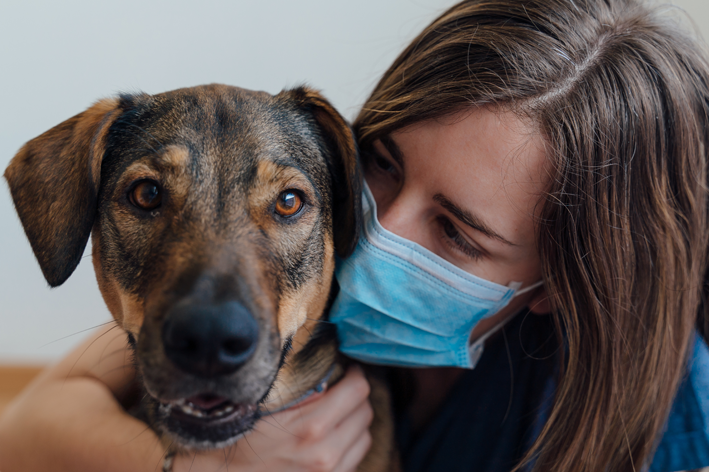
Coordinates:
327 432
70 419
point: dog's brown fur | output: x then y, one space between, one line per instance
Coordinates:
221 156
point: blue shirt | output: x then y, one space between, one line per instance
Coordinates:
494 412
685 442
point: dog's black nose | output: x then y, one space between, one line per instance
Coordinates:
209 340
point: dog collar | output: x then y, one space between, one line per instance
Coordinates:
317 389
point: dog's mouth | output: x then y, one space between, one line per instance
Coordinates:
207 407
207 420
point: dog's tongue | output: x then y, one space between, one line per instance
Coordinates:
206 401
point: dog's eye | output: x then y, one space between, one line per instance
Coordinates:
146 195
289 203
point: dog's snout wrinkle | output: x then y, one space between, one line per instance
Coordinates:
209 340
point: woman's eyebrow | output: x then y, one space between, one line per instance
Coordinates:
469 218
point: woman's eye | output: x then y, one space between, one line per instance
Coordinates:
146 195
288 203
457 240
376 164
384 164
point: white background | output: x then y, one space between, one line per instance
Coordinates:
57 57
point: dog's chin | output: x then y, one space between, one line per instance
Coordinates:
205 421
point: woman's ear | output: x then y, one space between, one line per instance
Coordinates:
539 304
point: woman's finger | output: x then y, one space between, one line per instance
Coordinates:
354 455
351 435
328 452
314 420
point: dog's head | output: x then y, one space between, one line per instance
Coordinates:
215 213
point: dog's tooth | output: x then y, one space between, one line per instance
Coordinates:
192 411
229 409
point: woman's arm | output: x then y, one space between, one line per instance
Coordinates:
70 419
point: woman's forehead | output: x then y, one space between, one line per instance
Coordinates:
487 160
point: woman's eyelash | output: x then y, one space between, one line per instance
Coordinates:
380 163
453 237
383 164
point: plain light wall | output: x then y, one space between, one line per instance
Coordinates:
58 57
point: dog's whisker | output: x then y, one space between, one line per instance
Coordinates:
115 369
147 428
279 425
113 352
122 348
194 456
164 456
79 332
252 449
118 334
156 446
84 352
232 451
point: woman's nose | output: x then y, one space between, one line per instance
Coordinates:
401 215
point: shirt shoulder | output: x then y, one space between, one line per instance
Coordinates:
685 441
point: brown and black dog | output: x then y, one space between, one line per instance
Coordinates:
215 215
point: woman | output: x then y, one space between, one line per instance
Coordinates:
513 141
614 99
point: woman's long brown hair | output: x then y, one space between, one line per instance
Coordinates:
621 96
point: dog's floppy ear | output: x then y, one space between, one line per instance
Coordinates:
54 182
344 167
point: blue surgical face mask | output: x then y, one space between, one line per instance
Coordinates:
400 304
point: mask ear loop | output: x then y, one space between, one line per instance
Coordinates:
515 286
475 349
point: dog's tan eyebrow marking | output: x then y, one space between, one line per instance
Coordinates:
272 176
175 156
137 169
